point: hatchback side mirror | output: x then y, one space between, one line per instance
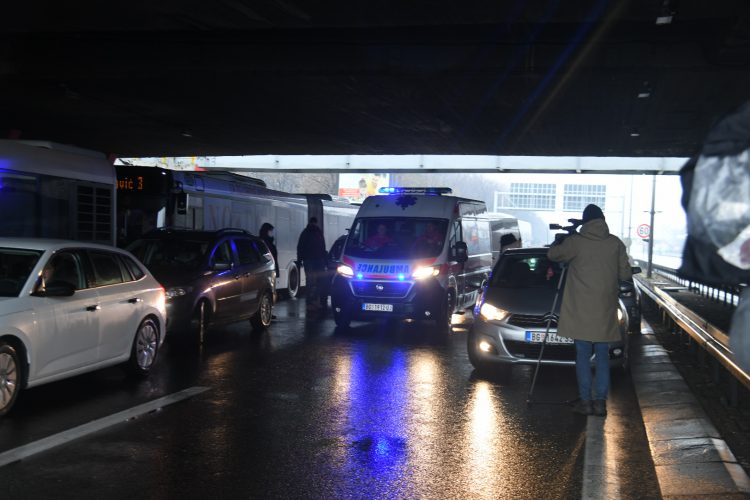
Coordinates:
59 289
461 251
636 270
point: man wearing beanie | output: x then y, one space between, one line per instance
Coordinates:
597 262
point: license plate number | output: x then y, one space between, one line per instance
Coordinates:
538 338
378 307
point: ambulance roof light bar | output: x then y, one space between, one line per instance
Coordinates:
437 191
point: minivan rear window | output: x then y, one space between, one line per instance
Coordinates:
162 255
525 271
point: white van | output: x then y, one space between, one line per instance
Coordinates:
414 253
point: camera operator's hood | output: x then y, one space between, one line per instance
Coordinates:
596 229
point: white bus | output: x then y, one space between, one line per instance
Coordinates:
51 190
151 197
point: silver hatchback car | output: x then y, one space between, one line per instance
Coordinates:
512 313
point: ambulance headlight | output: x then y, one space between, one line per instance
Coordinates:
492 313
345 271
424 272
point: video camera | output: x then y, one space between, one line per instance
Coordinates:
571 229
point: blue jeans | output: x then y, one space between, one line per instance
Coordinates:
583 368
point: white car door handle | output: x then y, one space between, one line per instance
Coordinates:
97 307
135 300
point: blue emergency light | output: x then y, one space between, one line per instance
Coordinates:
436 191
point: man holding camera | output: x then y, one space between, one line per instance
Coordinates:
597 262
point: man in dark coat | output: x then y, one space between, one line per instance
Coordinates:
312 255
597 262
266 234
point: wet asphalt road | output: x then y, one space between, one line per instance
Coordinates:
305 410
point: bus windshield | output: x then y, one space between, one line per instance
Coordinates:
396 237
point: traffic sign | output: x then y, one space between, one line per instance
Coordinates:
643 231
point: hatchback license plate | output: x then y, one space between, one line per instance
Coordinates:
538 338
378 307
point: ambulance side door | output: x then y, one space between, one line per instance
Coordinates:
457 268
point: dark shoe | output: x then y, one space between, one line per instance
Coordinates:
600 407
582 407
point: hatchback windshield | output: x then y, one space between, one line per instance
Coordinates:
396 237
170 254
525 271
15 267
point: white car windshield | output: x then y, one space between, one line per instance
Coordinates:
396 237
15 267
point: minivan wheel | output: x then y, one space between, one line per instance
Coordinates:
445 317
10 377
262 317
144 350
199 322
292 282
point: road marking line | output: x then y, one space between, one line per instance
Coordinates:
599 474
65 437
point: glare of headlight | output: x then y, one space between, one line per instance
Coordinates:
492 313
619 315
423 272
485 346
345 270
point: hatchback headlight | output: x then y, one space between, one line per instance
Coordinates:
424 272
492 313
178 291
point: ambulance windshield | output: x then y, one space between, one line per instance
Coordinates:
396 237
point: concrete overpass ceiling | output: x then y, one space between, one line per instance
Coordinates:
236 77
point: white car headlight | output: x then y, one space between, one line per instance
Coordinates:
492 313
619 314
424 272
178 291
345 271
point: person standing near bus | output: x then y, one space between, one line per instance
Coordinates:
312 255
266 234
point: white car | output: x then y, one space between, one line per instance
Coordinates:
68 307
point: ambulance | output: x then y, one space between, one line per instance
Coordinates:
416 253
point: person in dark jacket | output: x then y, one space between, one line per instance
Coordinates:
597 262
266 234
312 255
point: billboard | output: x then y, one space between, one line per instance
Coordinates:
357 187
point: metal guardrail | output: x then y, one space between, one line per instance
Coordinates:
726 294
712 339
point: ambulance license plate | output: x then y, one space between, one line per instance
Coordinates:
378 307
538 338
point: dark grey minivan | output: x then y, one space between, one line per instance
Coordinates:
210 277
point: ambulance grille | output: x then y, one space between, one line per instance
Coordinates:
384 289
